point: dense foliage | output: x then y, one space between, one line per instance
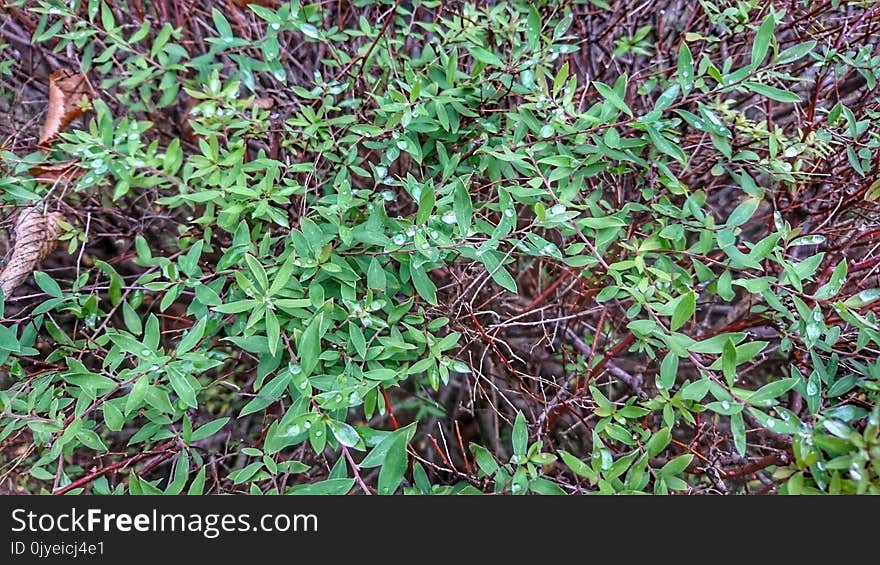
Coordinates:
444 247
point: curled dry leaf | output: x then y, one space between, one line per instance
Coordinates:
35 237
264 102
69 95
57 172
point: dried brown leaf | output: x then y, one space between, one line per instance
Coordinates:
36 235
69 95
57 172
264 102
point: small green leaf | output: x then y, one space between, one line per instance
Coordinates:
423 283
578 467
394 466
762 39
192 337
182 387
209 429
492 261
376 275
273 332
685 68
181 474
612 97
658 442
485 461
677 465
743 212
47 284
426 204
462 207
773 390
728 362
738 429
137 394
520 435
112 416
668 371
221 24
485 56
356 337
683 311
773 93
344 434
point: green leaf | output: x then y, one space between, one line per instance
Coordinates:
209 429
237 307
773 93
462 207
376 275
394 466
677 465
356 337
762 40
192 337
658 442
728 362
685 68
197 487
258 272
282 275
375 457
268 394
835 282
112 416
773 390
738 429
520 435
273 332
541 485
725 407
715 344
182 387
668 371
131 319
683 310
696 390
221 24
612 97
246 473
743 212
485 56
426 204
181 474
336 487
344 434
423 283
744 353
578 467
137 394
41 474
309 346
47 284
796 52
491 260
863 298
485 461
